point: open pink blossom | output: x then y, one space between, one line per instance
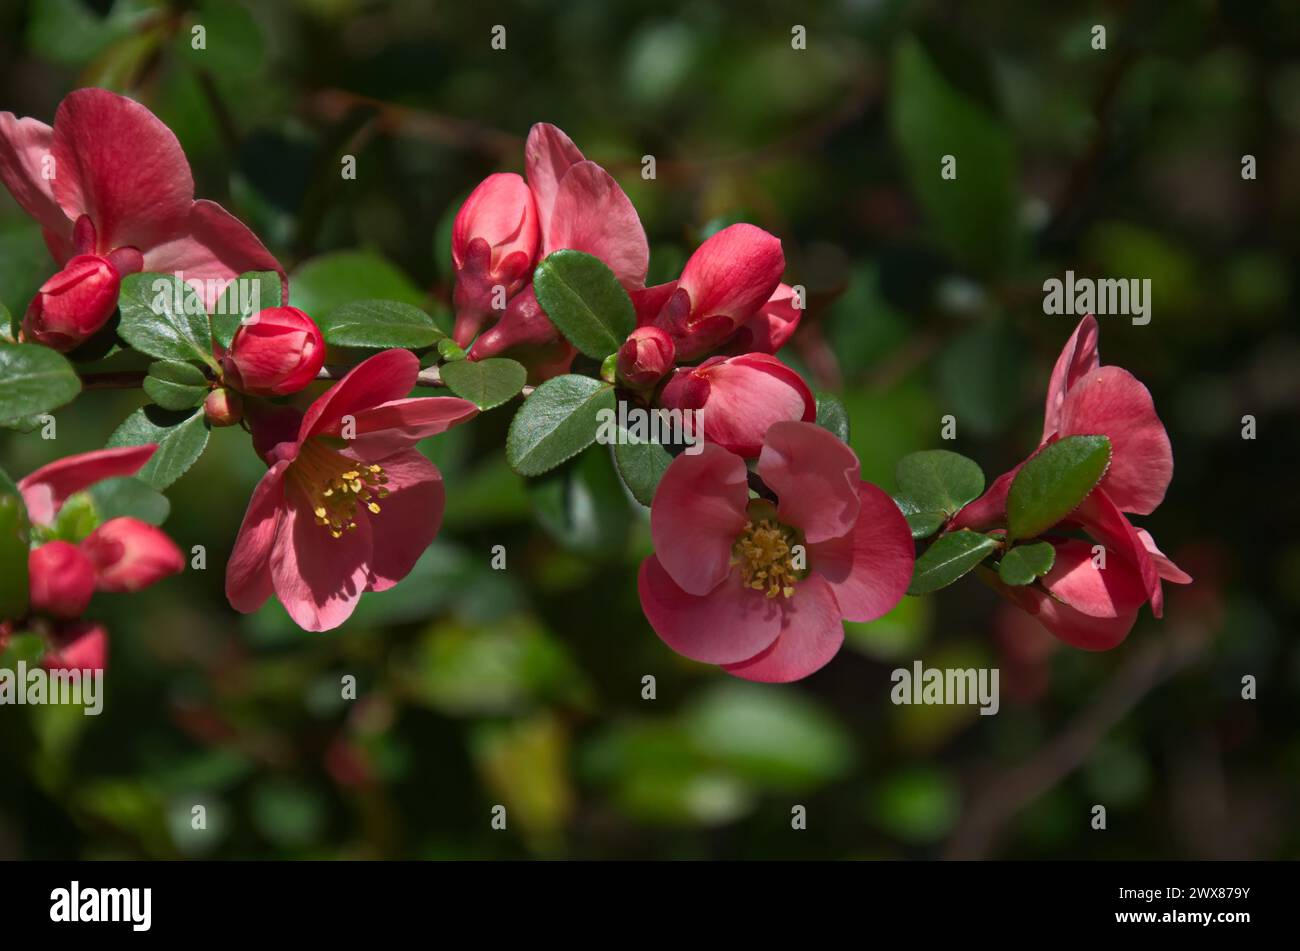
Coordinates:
768 329
112 191
494 244
348 503
45 490
762 588
130 555
739 398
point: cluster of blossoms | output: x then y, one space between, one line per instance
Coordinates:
765 540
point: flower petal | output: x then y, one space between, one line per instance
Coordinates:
408 519
811 634
318 578
49 486
1167 570
1073 627
592 214
1078 357
990 509
648 301
1103 520
399 424
248 569
730 623
697 512
385 377
815 477
770 326
24 145
548 154
869 568
733 273
1075 579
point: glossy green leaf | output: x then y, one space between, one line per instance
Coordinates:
174 385
1024 563
249 293
128 496
333 280
34 379
164 317
181 439
556 423
937 480
948 558
922 523
585 301
379 324
14 537
641 465
832 416
485 383
1053 482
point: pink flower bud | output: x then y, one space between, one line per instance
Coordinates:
129 555
526 334
82 645
275 352
645 357
62 579
494 245
72 305
223 407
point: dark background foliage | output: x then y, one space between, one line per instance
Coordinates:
523 686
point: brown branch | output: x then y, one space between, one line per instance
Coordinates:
429 376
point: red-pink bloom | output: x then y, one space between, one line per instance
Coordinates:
348 504
110 180
526 334
771 325
61 580
739 398
727 281
223 407
645 357
74 303
130 555
494 244
275 352
45 490
762 589
81 645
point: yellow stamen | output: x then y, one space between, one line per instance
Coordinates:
334 485
765 553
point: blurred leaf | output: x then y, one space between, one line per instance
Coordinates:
380 324
233 42
14 534
332 280
128 496
948 558
981 374
1053 482
174 385
1022 564
918 804
900 633
832 416
181 439
249 293
485 383
585 301
290 814
582 506
556 423
36 380
526 764
68 33
164 317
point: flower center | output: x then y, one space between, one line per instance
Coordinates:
766 552
335 485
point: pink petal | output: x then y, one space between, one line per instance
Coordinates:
24 144
408 518
1078 357
990 509
869 568
215 248
1110 401
385 377
548 154
733 273
697 512
1114 591
815 477
1073 627
1101 519
501 211
1167 570
248 569
648 301
318 578
48 487
811 634
399 424
730 623
121 166
592 214
770 326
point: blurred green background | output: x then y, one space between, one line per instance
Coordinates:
524 686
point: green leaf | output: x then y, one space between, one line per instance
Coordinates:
381 324
582 506
922 523
249 293
1024 563
832 416
333 280
175 385
181 439
556 423
950 557
24 647
14 539
127 496
485 383
1053 482
938 481
641 465
975 213
164 317
35 379
585 301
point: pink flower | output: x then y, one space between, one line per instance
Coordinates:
494 243
762 588
1080 602
109 181
81 645
223 407
45 490
130 555
61 580
645 357
771 325
275 352
526 334
739 398
729 279
348 504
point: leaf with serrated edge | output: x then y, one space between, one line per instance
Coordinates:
585 301
1022 564
556 423
1052 483
181 439
485 383
948 558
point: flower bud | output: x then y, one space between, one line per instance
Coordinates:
526 334
82 645
494 244
61 578
223 407
645 357
129 555
275 352
73 304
